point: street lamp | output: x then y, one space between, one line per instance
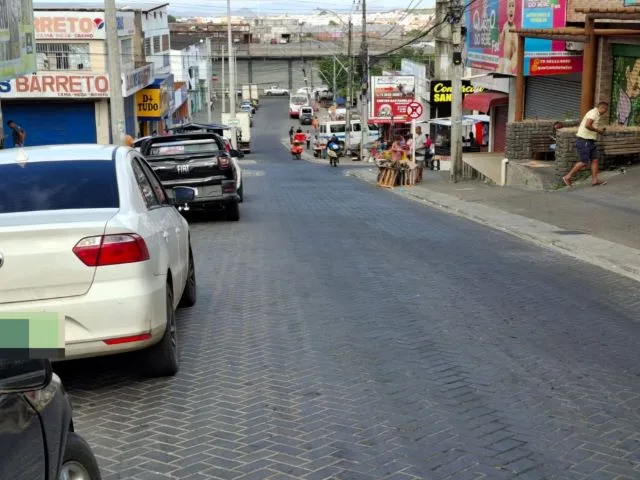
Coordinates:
232 80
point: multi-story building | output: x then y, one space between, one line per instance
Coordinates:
184 34
187 65
67 100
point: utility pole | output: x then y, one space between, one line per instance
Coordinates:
224 92
232 80
334 79
209 80
116 101
455 17
366 81
347 134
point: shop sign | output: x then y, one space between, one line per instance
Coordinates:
69 25
148 103
17 51
441 90
492 45
137 79
632 3
56 86
391 96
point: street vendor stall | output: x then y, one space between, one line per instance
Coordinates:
440 130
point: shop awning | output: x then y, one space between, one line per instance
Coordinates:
485 101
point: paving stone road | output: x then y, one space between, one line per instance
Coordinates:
345 333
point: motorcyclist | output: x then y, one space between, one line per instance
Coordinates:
300 136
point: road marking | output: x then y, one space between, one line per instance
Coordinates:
247 162
253 173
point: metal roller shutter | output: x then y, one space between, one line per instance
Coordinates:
549 98
53 123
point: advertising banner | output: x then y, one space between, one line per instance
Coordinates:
17 43
491 43
632 3
45 85
391 95
79 25
625 91
137 79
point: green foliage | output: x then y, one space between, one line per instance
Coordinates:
333 23
171 18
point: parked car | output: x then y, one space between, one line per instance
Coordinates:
89 232
37 436
247 106
200 161
275 90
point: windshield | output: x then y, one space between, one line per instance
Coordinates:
183 148
299 100
58 185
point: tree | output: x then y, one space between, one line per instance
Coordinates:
325 69
333 23
171 18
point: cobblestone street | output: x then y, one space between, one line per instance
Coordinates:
345 333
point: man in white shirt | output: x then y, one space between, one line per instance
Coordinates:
586 144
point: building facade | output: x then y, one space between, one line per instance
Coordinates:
67 100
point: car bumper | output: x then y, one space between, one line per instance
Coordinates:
109 310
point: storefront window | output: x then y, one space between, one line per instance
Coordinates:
63 56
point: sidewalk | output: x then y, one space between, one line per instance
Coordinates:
599 225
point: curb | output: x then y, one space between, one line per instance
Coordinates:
608 255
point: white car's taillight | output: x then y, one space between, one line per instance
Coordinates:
116 249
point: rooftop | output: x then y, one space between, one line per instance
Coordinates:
97 6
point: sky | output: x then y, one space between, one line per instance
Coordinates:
264 7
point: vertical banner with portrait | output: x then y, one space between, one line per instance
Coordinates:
625 91
17 45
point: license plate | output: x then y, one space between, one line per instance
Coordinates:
212 191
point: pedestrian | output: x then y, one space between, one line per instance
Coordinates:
421 140
586 144
308 140
18 134
397 149
291 134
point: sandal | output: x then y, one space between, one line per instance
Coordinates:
567 182
598 183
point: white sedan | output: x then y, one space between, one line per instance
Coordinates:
87 232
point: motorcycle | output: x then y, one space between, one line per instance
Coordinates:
296 150
333 152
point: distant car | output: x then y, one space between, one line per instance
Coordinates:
200 161
275 90
37 435
304 90
306 115
248 106
89 232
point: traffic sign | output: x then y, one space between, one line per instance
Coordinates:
414 110
233 123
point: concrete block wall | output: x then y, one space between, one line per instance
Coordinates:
519 136
566 155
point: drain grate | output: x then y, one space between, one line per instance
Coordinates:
570 232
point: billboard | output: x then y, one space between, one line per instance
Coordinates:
391 95
491 43
632 3
72 25
17 44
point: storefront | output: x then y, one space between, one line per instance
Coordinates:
553 97
132 82
58 109
154 105
181 96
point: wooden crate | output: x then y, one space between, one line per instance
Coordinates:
387 177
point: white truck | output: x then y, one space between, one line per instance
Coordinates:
246 92
255 95
275 90
243 129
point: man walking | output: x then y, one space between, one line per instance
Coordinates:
17 133
420 140
586 144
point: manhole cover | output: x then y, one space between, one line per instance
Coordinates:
570 232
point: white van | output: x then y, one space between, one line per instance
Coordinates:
338 128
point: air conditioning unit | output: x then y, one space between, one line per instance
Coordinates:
574 46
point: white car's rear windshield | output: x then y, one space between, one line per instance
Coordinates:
183 148
58 185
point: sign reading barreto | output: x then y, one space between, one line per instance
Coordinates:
74 25
56 86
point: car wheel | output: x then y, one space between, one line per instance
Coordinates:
188 298
233 212
241 194
162 358
78 462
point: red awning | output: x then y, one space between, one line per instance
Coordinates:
483 102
